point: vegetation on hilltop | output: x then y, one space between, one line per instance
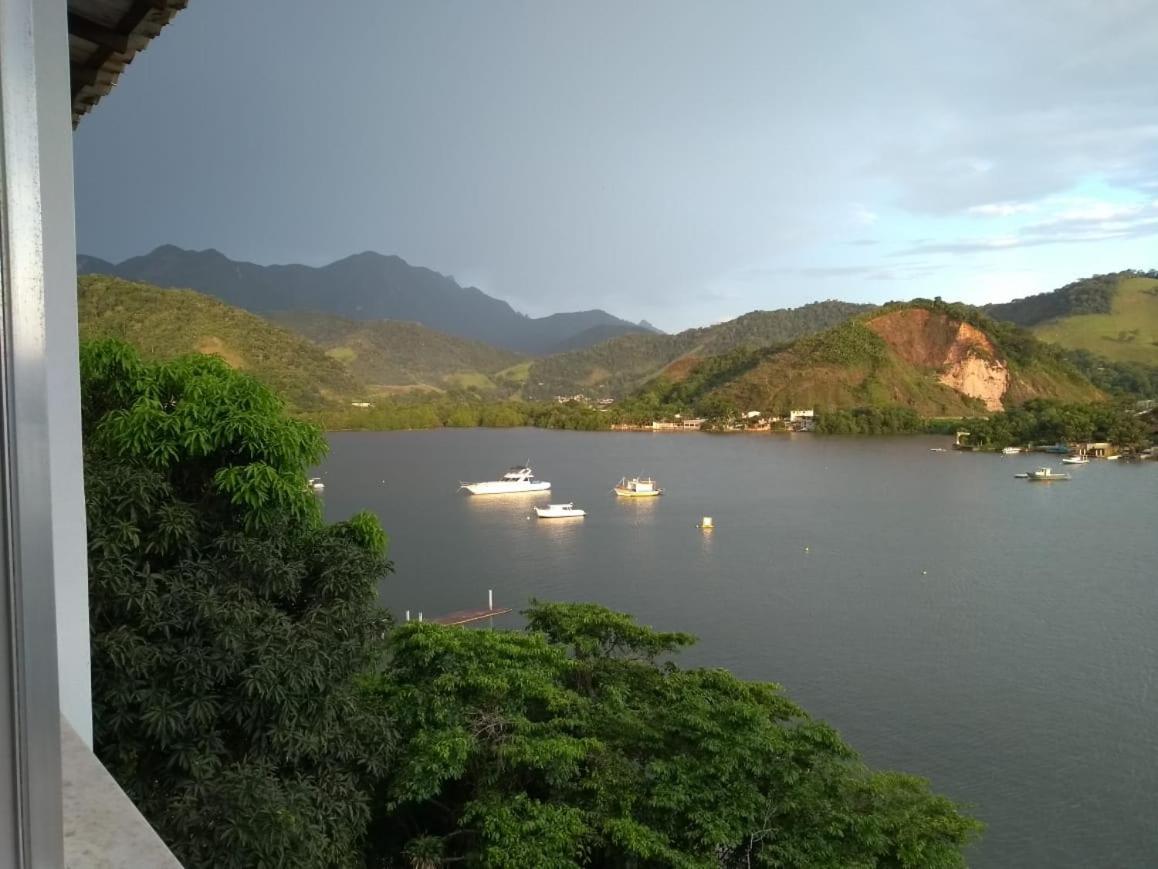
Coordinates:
616 368
1092 295
1128 332
261 709
164 324
1112 315
393 353
851 366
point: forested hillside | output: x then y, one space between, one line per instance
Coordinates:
933 358
617 367
1112 315
389 353
162 324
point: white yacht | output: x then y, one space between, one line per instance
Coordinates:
559 511
1075 460
315 484
518 479
1011 451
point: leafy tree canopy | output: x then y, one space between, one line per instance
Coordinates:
578 743
229 623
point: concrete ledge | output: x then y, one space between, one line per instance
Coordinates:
102 827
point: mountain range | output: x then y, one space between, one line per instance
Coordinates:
938 359
365 286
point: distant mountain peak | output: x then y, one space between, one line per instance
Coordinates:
362 286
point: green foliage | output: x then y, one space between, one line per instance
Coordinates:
165 324
1128 379
848 344
871 421
617 367
229 624
1042 421
570 745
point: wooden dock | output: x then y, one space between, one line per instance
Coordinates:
465 617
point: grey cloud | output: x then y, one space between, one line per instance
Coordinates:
622 155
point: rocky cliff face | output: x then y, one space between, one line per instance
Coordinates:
963 356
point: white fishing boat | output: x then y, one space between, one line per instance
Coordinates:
559 511
517 479
938 450
1075 460
1011 451
1047 475
637 487
315 484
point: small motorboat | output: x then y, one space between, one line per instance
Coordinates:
637 487
938 450
1075 460
1011 451
1021 476
315 484
1047 475
559 511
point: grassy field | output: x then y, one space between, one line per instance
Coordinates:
1128 334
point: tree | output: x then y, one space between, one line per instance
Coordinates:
230 625
571 745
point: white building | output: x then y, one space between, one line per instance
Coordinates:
794 415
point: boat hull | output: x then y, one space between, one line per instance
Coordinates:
631 493
503 487
555 512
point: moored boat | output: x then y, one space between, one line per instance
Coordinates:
559 511
519 478
1075 460
1047 475
315 484
1011 451
637 487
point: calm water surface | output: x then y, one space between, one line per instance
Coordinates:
995 636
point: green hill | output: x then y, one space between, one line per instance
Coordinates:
619 366
391 353
162 324
937 359
1113 315
1128 332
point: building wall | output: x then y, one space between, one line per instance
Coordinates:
69 547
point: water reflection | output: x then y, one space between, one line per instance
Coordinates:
637 511
512 505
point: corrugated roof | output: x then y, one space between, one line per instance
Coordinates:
103 38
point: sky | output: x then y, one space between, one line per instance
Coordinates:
683 161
